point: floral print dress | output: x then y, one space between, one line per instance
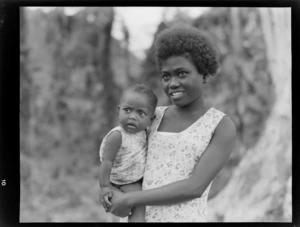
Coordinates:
129 164
172 157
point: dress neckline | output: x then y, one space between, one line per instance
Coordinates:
177 133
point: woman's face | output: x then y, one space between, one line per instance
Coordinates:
181 80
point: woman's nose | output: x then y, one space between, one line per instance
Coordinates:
174 82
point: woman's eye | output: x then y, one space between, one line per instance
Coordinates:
165 76
182 74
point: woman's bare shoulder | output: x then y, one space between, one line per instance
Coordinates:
226 130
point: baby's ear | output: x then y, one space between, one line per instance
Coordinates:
151 120
118 107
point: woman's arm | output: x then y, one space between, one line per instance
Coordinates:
210 163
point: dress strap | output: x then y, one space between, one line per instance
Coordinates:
159 113
211 121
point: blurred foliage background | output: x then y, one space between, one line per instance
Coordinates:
72 74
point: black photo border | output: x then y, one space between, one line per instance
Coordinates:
10 96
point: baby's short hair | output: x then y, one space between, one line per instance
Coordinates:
183 39
142 89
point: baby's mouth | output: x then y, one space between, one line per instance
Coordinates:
131 126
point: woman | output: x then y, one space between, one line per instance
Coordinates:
189 142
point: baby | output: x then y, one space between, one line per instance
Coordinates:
123 149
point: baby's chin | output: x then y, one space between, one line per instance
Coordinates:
131 129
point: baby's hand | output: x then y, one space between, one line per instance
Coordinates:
106 194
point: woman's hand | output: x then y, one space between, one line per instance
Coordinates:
119 204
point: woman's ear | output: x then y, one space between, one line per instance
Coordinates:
153 117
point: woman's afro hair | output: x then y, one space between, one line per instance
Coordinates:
183 39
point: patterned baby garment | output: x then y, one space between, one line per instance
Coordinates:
172 157
130 160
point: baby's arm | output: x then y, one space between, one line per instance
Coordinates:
110 150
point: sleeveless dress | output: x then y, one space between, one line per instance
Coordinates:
172 157
129 164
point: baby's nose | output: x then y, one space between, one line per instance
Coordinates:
132 116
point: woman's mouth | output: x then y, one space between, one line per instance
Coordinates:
176 94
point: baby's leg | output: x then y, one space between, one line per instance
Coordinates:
137 213
112 217
115 187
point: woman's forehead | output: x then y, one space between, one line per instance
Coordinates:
176 62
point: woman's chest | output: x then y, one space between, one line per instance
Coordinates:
181 150
171 158
173 123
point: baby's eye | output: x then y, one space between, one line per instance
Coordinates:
126 110
141 113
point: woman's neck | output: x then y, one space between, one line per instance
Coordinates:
193 108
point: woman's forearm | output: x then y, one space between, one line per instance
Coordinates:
210 163
177 192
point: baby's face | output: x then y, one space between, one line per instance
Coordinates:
135 112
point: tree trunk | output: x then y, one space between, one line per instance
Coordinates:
127 52
110 88
260 188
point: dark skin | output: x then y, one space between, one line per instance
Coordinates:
184 85
112 146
